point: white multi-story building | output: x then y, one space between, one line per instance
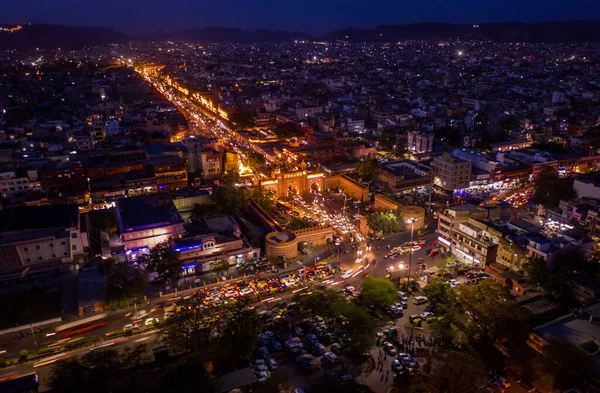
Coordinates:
12 183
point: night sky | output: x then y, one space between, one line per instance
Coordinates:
311 16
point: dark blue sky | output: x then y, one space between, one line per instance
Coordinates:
312 16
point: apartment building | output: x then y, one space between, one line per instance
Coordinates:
419 141
405 174
451 173
40 238
16 182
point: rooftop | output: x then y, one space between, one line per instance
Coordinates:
27 218
146 212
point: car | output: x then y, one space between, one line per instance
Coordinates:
503 380
261 367
330 356
428 251
426 315
150 321
320 348
396 365
402 295
169 315
272 364
263 339
336 348
257 362
350 288
131 326
246 291
262 376
299 331
276 345
420 300
270 334
415 248
404 304
413 317
389 348
313 339
264 352
299 390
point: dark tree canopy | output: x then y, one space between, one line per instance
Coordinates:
124 281
378 293
385 222
368 170
550 188
164 261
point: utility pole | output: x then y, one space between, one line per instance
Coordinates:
411 221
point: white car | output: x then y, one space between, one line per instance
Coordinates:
150 321
246 291
262 375
415 248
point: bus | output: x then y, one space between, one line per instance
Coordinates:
27 383
82 326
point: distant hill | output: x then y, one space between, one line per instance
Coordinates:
226 34
56 36
548 32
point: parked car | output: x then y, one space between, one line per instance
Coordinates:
330 356
336 348
320 348
389 348
272 364
426 315
263 339
420 300
264 352
276 345
299 331
503 380
262 376
396 365
313 339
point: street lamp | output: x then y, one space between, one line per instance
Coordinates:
410 221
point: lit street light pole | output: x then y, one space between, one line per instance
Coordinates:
410 221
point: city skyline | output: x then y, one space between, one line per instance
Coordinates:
310 16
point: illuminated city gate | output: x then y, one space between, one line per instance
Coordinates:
294 183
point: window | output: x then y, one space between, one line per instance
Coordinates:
37 247
39 258
28 260
51 244
74 235
63 243
53 255
25 249
73 247
66 253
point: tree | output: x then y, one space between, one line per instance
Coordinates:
164 261
436 292
240 334
231 177
358 325
124 282
378 294
229 200
255 160
368 170
263 198
488 314
453 372
386 222
535 270
286 130
200 211
322 303
329 385
550 189
104 220
298 223
219 266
